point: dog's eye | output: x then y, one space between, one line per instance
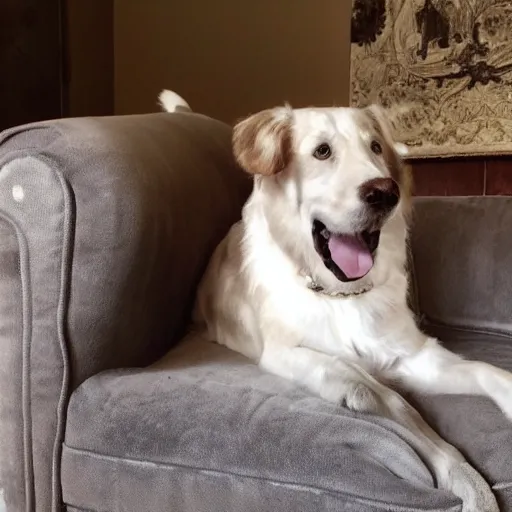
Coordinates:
322 152
376 147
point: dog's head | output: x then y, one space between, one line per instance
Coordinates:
331 179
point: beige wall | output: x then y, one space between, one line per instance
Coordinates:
231 57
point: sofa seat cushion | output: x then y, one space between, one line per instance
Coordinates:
475 425
204 430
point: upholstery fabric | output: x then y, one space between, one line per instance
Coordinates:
205 430
474 424
34 203
463 261
106 225
11 368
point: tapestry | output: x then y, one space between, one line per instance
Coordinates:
442 69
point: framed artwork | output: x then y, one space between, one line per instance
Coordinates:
442 68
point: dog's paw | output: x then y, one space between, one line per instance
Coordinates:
502 392
507 407
355 396
359 397
466 483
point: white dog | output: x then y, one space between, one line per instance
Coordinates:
311 283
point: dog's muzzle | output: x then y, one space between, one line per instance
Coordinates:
350 256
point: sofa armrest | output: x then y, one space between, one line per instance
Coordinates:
462 252
106 225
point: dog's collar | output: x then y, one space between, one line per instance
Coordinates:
310 283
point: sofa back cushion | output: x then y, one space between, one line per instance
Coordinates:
462 252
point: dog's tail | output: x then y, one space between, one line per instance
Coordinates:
172 102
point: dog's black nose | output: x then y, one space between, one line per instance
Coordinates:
380 193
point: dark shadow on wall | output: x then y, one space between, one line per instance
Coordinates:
56 59
31 81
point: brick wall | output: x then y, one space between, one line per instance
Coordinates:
469 176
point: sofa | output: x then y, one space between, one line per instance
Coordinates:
109 404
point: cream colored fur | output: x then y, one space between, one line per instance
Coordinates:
255 299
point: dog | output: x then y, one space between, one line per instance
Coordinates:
311 284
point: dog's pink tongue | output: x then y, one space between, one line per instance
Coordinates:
351 255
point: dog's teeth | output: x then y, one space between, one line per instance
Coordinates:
325 233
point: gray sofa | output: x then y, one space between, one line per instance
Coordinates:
106 226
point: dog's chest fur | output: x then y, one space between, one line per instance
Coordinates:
252 295
366 328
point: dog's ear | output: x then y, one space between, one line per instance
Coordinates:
262 143
380 119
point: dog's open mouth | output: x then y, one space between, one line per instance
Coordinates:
348 256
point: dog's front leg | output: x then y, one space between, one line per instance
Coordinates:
348 384
436 370
324 375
